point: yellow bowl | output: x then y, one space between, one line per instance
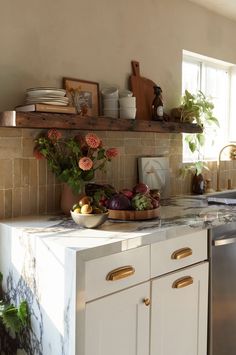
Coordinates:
89 220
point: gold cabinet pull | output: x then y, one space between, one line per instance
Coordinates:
147 301
181 253
120 273
183 282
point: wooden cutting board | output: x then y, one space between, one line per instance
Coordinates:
142 89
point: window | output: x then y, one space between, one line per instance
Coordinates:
216 80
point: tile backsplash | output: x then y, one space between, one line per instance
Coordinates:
28 187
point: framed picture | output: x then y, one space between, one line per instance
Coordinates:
84 95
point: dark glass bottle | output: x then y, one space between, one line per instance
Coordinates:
157 105
198 185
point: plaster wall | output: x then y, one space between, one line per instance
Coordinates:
41 42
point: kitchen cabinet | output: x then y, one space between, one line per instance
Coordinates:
122 315
179 274
108 290
101 123
179 312
119 323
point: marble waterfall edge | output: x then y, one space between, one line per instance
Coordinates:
29 267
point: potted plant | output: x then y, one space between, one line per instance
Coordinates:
74 160
197 109
13 321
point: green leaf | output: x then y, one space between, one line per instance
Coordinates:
201 139
192 147
10 318
101 154
23 312
188 138
88 175
214 120
199 167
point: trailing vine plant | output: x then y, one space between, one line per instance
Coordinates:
197 109
13 321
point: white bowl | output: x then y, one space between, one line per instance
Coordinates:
125 93
128 112
110 92
89 220
110 104
127 102
111 113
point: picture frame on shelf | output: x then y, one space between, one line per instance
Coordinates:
84 95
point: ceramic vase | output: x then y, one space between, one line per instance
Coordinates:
69 198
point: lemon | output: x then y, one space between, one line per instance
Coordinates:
77 210
75 206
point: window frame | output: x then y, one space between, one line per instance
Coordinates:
203 62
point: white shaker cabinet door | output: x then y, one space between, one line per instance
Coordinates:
179 312
118 324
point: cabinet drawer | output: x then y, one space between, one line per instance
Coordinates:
115 272
173 254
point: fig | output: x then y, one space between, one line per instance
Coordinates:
155 203
155 193
141 188
85 200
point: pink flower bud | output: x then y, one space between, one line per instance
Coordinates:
111 153
54 135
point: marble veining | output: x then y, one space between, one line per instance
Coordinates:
38 256
31 340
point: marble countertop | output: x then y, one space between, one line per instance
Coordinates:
179 215
43 260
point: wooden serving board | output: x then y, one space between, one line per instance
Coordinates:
142 89
131 215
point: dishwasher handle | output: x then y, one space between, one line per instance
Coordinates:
224 241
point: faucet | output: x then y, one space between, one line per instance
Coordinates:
232 157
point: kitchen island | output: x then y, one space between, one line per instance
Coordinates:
53 264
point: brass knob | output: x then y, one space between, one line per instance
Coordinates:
147 301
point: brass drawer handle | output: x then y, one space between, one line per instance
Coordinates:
181 253
120 273
183 282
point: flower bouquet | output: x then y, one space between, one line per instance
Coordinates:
74 160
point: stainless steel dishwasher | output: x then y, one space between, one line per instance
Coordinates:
222 315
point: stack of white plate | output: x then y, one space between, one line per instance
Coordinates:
46 95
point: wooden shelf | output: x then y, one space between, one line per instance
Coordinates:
71 121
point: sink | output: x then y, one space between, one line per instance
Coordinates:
224 197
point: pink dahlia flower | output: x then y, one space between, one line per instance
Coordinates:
54 135
93 140
85 163
111 153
